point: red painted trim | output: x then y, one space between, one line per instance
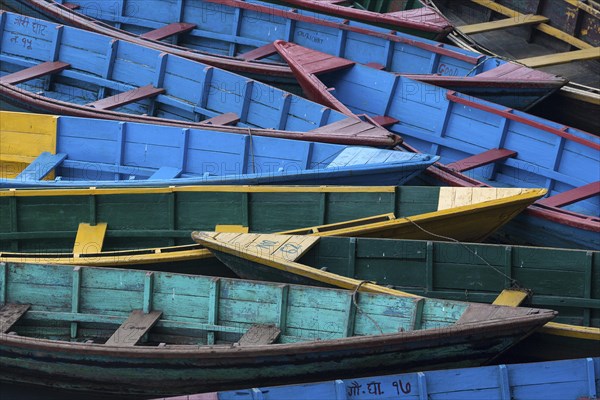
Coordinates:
572 196
481 159
450 95
168 30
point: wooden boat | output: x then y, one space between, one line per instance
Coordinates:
566 379
83 152
49 68
555 36
496 146
508 275
250 50
141 226
127 332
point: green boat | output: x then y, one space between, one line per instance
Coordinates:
564 280
128 332
151 226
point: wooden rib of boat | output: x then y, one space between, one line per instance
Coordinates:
153 333
226 36
494 145
61 70
84 152
566 379
507 275
142 226
555 36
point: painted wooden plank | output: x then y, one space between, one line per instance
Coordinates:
148 292
10 314
132 330
289 248
125 98
259 335
283 307
481 159
41 166
213 307
524 19
232 228
350 315
166 31
511 297
229 118
166 173
75 299
561 58
37 71
572 196
258 53
384 121
89 238
3 282
71 6
417 316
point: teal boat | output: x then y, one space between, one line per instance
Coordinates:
126 332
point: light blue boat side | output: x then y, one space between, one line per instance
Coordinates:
100 153
556 380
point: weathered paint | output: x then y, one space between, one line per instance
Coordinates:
312 343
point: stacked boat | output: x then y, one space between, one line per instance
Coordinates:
174 225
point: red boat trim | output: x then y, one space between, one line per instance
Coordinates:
450 95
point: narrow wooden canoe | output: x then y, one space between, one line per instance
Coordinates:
567 379
549 278
555 36
495 145
226 36
143 226
153 333
84 152
49 68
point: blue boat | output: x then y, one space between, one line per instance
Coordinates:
238 35
83 152
49 68
497 146
559 380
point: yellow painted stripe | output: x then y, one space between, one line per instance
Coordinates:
23 137
524 19
572 331
557 33
187 189
561 58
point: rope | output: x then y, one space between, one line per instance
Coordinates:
513 282
356 289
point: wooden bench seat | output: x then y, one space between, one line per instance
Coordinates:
229 118
259 335
41 166
132 330
122 99
37 71
258 53
168 31
572 196
166 173
481 159
10 314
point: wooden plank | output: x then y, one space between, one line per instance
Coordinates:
524 19
41 166
213 307
572 196
72 6
384 120
289 248
10 314
229 118
166 173
258 53
232 228
169 30
89 238
43 69
511 297
125 98
132 330
260 335
481 159
561 58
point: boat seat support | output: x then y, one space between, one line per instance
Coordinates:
41 166
168 31
125 98
132 330
229 118
259 335
37 71
10 314
572 196
481 159
166 173
258 53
